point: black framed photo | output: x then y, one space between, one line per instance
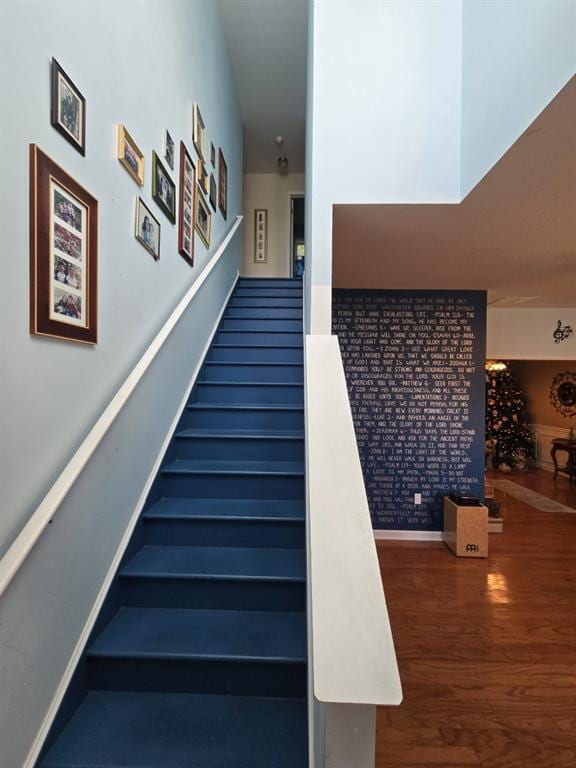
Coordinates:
212 155
63 253
202 218
68 109
187 203
222 184
163 188
213 202
147 229
169 150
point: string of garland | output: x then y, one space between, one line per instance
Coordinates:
508 422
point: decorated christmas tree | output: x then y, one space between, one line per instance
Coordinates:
508 429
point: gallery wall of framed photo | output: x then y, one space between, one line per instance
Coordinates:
102 224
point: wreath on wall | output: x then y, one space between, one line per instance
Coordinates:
563 393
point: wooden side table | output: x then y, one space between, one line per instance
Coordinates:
569 447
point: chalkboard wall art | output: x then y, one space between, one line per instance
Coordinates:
414 363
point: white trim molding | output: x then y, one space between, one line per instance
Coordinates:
382 535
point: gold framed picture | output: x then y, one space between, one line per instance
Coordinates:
202 217
203 177
199 132
130 156
260 235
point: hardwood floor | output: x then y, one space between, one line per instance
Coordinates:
486 647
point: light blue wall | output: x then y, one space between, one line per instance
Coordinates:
517 55
138 63
142 64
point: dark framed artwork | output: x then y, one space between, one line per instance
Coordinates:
130 156
187 205
169 150
261 235
199 132
202 218
222 185
147 228
163 188
213 201
63 254
212 155
68 109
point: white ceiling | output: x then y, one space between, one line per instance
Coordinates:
266 42
514 234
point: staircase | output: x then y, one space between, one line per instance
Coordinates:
198 658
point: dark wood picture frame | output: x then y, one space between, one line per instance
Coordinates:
63 254
72 127
213 193
212 155
163 196
222 185
187 205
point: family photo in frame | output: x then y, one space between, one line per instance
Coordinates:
163 189
63 253
147 229
68 109
186 208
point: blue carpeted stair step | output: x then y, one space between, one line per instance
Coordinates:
233 479
255 653
227 509
269 338
152 730
224 578
273 282
250 445
261 324
249 393
264 301
292 373
234 417
267 293
250 353
262 313
246 522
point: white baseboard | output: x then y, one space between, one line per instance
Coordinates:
408 535
38 743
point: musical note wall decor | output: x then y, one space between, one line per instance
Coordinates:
562 332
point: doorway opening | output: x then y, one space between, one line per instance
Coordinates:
297 234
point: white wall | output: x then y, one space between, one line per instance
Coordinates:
137 63
516 57
526 334
384 124
271 191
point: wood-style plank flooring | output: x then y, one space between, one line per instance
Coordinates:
486 647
